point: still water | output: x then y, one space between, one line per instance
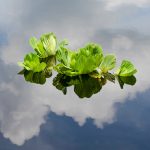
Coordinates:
95 117
77 115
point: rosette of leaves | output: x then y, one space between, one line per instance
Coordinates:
80 68
84 61
36 70
108 63
46 46
32 63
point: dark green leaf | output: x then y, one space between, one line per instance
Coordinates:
130 80
109 77
21 72
35 77
87 86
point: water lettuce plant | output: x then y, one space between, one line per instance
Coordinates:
83 61
87 68
32 62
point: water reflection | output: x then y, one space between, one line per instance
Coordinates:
131 80
84 85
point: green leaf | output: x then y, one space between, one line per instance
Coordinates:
32 63
109 77
84 85
60 83
130 80
126 69
87 86
85 61
64 55
108 63
49 43
35 77
50 63
60 68
21 72
28 75
95 74
46 46
33 43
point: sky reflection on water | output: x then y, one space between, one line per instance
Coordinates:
41 117
129 131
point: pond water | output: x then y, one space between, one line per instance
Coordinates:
129 130
78 113
42 117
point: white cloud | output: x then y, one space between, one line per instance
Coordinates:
8 87
20 116
23 106
65 23
26 112
112 4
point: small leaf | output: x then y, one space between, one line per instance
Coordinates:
108 63
46 46
33 43
126 69
49 43
130 80
60 68
109 77
95 74
21 72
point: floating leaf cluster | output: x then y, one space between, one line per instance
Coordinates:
87 69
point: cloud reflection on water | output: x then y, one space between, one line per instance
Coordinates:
23 106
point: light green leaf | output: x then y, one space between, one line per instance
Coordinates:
64 55
46 46
60 68
32 62
108 63
126 69
50 63
33 43
84 61
87 59
49 43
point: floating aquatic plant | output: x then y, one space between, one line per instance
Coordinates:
87 68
